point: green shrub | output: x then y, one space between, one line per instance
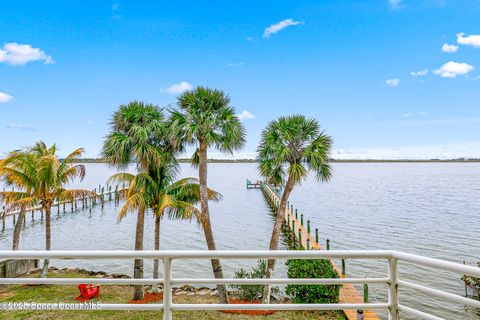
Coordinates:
473 283
312 269
252 292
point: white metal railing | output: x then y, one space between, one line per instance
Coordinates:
393 257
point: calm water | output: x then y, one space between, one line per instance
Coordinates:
425 208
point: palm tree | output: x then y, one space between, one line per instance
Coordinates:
19 170
157 191
204 118
289 148
137 132
45 184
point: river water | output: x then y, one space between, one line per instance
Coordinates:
424 208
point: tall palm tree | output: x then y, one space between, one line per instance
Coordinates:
204 118
289 148
157 191
46 185
137 131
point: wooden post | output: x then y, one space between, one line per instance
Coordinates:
33 219
63 206
291 208
343 267
301 219
308 244
293 231
296 214
288 219
300 237
365 293
316 235
328 244
14 220
4 213
465 282
308 226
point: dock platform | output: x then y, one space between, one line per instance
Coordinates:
348 293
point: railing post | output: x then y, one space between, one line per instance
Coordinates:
301 219
365 293
167 288
316 235
328 244
344 267
296 214
392 289
308 226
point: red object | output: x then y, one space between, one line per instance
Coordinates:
88 291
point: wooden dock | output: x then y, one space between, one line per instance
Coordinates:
254 185
100 197
303 234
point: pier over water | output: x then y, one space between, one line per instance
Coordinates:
301 234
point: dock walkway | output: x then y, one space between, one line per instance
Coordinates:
103 194
303 234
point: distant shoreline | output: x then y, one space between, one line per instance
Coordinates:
90 160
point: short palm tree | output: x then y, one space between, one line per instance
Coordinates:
157 191
137 131
289 148
46 184
19 170
204 118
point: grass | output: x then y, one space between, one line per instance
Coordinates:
121 294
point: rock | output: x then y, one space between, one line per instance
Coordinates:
190 293
70 269
214 292
187 288
204 292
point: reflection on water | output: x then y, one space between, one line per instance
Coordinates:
428 208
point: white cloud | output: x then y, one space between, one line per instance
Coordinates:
88 122
245 115
25 127
274 28
449 48
414 114
21 54
471 40
392 82
419 73
178 88
395 4
452 69
236 64
5 97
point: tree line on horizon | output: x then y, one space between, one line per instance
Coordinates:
153 138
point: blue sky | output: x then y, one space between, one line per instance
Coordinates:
386 79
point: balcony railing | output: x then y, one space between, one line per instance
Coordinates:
393 305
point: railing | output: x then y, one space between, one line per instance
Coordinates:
393 257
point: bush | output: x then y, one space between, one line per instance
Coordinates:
252 292
312 269
473 283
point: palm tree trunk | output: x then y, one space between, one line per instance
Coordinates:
207 227
277 228
138 265
18 228
48 240
156 247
